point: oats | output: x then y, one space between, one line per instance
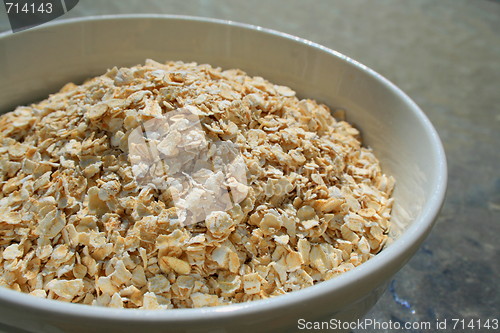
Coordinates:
121 274
229 283
284 91
306 213
270 223
95 204
354 222
12 252
116 301
183 286
158 284
363 245
367 212
348 234
221 256
42 181
79 271
304 247
251 283
96 111
282 194
51 224
201 300
39 293
293 261
178 265
67 289
105 285
328 205
281 239
309 224
150 301
219 223
139 277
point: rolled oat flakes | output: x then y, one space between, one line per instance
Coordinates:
85 216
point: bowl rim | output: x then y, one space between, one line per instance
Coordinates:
403 244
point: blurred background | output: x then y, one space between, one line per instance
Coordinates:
446 56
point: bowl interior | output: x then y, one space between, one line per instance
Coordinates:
38 62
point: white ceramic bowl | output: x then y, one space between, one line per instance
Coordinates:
39 61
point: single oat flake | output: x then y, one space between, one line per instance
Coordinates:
181 185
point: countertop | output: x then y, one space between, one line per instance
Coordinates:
446 56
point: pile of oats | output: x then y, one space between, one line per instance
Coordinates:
76 226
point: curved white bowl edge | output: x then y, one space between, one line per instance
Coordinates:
395 255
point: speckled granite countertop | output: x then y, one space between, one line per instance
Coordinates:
446 56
